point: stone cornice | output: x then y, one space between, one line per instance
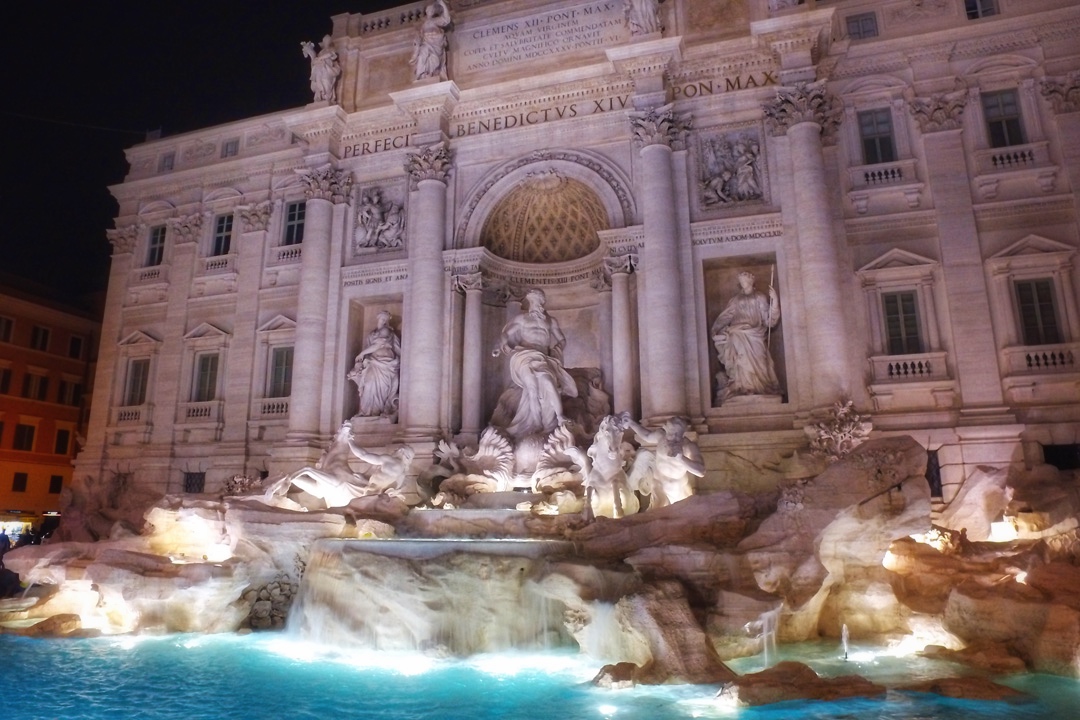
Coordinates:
995 44
739 229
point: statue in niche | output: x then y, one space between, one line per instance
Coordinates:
380 222
732 169
742 335
665 473
429 48
643 16
534 342
376 371
331 480
325 69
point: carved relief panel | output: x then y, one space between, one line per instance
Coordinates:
731 169
380 219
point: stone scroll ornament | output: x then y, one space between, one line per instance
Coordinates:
380 223
1062 93
325 69
661 126
123 239
254 218
731 168
942 111
326 183
431 163
804 102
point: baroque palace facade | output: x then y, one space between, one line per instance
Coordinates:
904 175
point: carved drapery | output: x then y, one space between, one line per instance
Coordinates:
254 218
1063 93
661 126
802 103
186 229
943 111
327 183
123 239
431 163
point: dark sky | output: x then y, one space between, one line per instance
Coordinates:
83 80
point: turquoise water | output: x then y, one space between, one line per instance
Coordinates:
226 677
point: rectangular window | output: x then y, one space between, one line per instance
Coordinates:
230 148
280 372
63 442
56 484
204 387
1002 112
876 133
75 347
294 223
222 235
18 484
138 373
194 482
70 393
167 162
35 387
39 338
861 26
5 381
155 247
901 323
6 325
1038 319
24 437
1 434
980 8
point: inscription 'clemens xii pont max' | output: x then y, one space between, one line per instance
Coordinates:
487 47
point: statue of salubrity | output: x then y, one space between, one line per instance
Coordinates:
742 335
376 371
325 69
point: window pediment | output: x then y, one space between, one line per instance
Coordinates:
206 331
897 264
138 338
278 322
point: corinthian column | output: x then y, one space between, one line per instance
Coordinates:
326 187
657 132
422 351
806 113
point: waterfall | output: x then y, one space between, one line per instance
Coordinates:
844 639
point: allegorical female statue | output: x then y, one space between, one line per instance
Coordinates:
741 335
376 371
429 48
325 69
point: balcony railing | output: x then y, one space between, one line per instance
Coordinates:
200 412
270 408
130 415
1040 359
1015 157
900 172
287 254
218 264
909 368
149 275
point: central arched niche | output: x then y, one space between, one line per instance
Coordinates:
546 218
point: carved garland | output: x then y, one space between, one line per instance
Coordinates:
255 217
546 156
186 229
942 111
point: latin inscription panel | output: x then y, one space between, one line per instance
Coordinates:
539 37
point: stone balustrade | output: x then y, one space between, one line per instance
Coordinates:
905 368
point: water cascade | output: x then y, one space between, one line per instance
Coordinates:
844 640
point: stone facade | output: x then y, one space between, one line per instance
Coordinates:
903 176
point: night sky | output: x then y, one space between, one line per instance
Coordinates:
82 81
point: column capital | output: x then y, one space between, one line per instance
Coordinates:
1063 93
622 263
661 126
123 239
940 111
326 183
430 163
186 229
803 103
254 218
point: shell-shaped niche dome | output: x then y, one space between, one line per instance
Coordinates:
546 218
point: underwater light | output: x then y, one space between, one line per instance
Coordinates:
608 710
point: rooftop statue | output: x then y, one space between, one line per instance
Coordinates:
534 342
325 69
376 371
741 335
429 48
643 16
